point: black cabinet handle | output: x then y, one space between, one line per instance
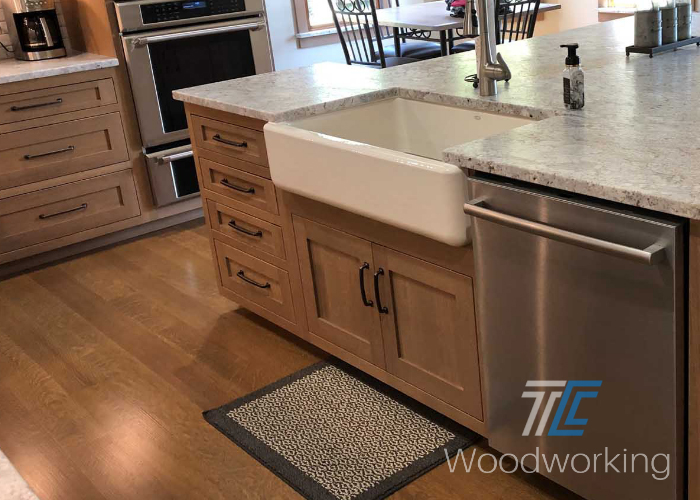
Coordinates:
235 144
226 183
245 278
366 302
48 153
64 212
232 224
380 308
33 106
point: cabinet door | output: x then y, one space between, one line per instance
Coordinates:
330 262
429 328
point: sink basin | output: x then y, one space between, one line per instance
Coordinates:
382 160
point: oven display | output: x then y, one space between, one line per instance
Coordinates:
172 11
194 5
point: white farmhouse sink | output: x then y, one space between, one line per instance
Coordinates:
382 160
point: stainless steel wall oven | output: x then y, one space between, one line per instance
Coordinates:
170 45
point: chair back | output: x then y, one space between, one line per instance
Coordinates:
356 23
516 19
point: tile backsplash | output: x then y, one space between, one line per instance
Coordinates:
5 36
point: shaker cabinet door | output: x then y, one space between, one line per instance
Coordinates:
429 328
331 263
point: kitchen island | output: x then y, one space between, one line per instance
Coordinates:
629 145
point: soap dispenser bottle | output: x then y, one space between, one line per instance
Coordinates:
574 97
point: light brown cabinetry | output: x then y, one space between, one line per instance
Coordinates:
401 313
63 148
228 139
322 273
66 174
334 266
48 214
57 100
429 328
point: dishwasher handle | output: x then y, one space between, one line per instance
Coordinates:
651 255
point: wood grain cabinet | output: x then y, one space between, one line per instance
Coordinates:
413 318
336 269
63 148
429 328
393 304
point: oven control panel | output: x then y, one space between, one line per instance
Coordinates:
188 9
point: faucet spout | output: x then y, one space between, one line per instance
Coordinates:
492 68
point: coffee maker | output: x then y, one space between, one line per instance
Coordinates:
34 29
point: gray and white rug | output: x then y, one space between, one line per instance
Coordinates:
12 486
333 433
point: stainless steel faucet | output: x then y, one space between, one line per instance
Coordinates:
491 66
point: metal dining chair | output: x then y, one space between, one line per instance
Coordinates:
360 34
516 20
414 48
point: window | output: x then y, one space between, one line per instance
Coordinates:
313 15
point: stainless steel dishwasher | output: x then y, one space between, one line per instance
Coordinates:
581 313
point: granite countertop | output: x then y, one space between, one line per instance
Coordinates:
632 143
12 70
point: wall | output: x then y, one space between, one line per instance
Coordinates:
5 37
573 14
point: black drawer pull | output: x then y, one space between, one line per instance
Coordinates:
226 183
380 308
70 211
366 302
232 224
245 278
33 106
235 144
49 153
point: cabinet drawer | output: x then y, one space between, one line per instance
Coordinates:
244 229
48 214
240 186
56 100
256 280
230 140
42 153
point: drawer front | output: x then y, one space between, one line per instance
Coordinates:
48 214
56 100
231 140
239 186
251 232
42 153
256 280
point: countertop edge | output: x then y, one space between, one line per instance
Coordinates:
69 67
617 194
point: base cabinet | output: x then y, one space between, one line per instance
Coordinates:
410 317
429 328
393 304
334 266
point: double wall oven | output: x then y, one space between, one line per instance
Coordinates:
170 45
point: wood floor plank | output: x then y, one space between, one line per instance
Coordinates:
107 361
33 451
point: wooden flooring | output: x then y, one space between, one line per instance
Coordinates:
107 361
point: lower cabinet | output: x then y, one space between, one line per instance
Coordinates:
410 317
429 328
335 269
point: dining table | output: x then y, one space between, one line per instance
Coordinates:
419 21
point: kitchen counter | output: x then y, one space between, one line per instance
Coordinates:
631 143
12 70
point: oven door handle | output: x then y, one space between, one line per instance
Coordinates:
175 157
145 40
